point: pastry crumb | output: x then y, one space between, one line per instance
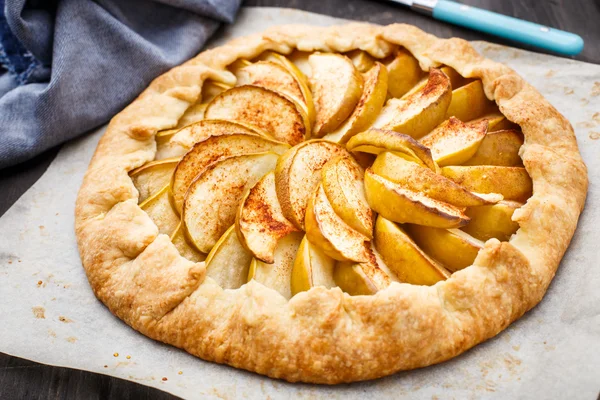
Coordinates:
596 89
39 312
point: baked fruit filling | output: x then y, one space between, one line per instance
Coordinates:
323 169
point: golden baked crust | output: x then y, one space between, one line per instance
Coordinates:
324 335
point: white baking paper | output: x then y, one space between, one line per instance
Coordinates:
48 312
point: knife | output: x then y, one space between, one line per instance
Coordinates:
551 39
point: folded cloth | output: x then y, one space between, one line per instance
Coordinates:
68 66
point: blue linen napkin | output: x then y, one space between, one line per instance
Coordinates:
68 66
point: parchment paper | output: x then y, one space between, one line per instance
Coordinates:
49 314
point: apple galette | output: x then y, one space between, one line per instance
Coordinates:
330 204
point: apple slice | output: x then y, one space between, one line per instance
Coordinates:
163 137
499 148
404 73
418 113
496 122
185 249
298 72
453 248
160 211
212 149
265 109
188 136
278 275
469 102
368 108
362 60
260 222
238 64
193 114
342 181
363 278
151 177
299 59
162 141
513 183
273 76
414 177
228 262
456 80
311 268
402 255
298 173
327 230
211 89
212 199
399 204
454 142
375 141
337 87
493 221
365 160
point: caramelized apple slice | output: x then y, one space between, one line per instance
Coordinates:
337 87
278 275
342 180
193 114
238 64
299 59
363 278
260 222
211 89
265 109
213 149
455 78
159 209
418 113
368 107
454 142
185 138
469 102
311 268
273 76
402 255
298 173
228 262
375 141
362 60
453 248
496 122
493 221
404 73
212 199
513 183
327 230
298 72
184 247
399 204
151 177
499 148
412 176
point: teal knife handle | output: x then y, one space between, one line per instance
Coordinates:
506 27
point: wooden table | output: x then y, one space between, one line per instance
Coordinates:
22 379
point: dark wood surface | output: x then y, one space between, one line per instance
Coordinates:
22 379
